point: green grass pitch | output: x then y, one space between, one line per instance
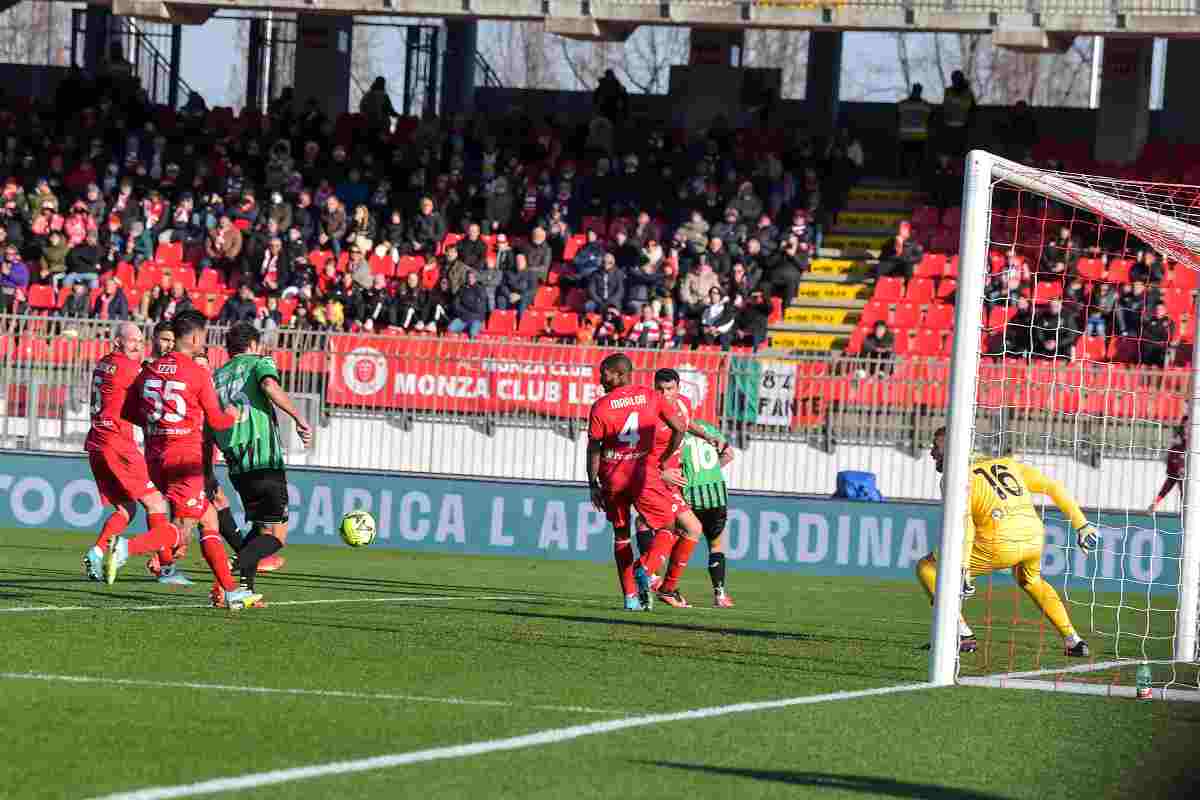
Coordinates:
457 650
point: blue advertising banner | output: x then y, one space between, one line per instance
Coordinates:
791 534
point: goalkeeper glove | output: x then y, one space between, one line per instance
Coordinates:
1089 537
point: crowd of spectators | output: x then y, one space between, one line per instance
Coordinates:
293 219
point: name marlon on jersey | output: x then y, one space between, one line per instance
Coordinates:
626 402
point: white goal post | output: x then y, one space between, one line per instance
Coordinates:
1143 211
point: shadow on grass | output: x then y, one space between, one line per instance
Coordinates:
884 787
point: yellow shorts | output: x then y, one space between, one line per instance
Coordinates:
1023 556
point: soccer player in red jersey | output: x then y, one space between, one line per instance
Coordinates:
666 383
621 473
117 464
176 399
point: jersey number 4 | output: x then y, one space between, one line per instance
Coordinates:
166 404
630 435
1003 482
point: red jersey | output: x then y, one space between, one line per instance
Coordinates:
113 411
176 398
662 433
624 421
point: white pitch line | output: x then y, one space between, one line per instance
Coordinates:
1097 667
219 687
326 601
536 739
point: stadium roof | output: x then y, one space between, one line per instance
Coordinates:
1027 24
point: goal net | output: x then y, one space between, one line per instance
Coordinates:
1073 353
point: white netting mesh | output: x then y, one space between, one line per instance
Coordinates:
1085 373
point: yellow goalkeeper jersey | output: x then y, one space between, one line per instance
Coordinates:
1001 502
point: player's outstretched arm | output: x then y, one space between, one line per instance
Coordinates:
216 417
1039 482
283 402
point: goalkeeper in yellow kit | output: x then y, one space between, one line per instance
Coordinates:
1003 530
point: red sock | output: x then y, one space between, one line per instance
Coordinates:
159 537
214 553
680 554
115 525
623 555
663 542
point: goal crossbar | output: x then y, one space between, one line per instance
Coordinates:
1178 239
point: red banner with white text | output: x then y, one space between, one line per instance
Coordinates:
461 376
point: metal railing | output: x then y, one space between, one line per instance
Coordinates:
818 403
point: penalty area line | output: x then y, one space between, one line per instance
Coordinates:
270 603
536 739
271 690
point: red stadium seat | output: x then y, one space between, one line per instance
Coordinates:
502 322
287 307
169 254
210 281
1118 270
854 347
999 316
186 276
940 316
126 275
148 276
932 265
928 343
920 290
1177 301
1045 291
952 266
408 265
1180 277
1091 348
873 311
381 265
906 315
573 245
565 324
946 290
889 288
533 323
1090 269
42 298
547 297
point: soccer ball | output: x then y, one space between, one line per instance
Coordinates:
358 528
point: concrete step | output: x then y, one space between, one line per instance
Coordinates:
855 268
808 342
831 292
812 317
878 197
855 245
870 222
790 327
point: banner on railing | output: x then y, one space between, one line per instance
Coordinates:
766 391
534 520
476 377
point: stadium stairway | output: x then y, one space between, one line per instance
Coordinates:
830 300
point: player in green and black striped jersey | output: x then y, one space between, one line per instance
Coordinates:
707 495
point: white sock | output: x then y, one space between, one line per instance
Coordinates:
964 629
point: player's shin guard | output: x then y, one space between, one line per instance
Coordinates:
623 555
115 525
161 536
229 529
681 552
1044 596
716 570
645 539
254 551
663 543
214 554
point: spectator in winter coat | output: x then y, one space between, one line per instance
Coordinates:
747 203
695 233
787 270
1055 331
752 320
222 247
506 257
470 308
643 284
730 232
538 254
879 346
171 304
695 289
517 287
53 264
305 217
83 263
409 303
76 305
359 268
717 320
426 230
1158 333
239 308
589 260
14 280
472 249
111 304
900 255
648 330
610 329
1148 268
333 226
454 269
629 255
489 279
606 287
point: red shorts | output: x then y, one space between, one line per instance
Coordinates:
121 476
183 486
656 502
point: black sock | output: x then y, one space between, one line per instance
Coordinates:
229 529
716 569
644 540
254 551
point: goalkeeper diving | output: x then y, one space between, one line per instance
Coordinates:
1004 530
